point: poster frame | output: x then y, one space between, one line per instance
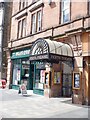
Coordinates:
55 77
77 80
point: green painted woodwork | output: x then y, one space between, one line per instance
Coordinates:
36 79
16 87
38 91
20 54
31 75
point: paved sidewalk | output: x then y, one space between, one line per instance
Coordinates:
15 105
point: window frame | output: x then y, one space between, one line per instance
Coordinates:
88 7
36 22
63 11
33 24
22 4
21 28
39 21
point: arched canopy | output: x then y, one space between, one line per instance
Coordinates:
50 50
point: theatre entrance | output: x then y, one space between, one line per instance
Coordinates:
53 63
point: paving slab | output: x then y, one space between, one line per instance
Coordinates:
16 105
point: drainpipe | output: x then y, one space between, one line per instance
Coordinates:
1 32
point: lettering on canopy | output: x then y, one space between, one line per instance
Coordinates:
38 57
50 57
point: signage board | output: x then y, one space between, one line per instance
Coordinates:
50 57
23 89
38 57
59 57
20 54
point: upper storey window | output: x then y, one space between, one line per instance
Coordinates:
21 28
89 7
22 4
33 23
34 1
65 11
36 22
1 5
39 21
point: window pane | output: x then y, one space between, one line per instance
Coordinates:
65 11
19 29
16 73
66 18
20 5
66 4
23 28
39 21
89 7
33 23
23 4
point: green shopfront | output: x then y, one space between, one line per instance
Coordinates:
29 73
21 68
43 68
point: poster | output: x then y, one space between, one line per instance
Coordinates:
46 78
76 80
18 75
42 76
57 77
40 85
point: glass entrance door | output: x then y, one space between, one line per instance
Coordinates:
25 73
31 76
67 85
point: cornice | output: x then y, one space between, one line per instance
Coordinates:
36 7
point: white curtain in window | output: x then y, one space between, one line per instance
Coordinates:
23 27
33 23
39 21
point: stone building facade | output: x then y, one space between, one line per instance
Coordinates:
36 25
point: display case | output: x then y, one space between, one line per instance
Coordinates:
57 77
47 83
39 79
39 75
76 80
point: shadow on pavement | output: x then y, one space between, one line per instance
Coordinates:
70 102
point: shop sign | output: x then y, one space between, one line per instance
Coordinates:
60 57
38 57
19 54
51 57
23 89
